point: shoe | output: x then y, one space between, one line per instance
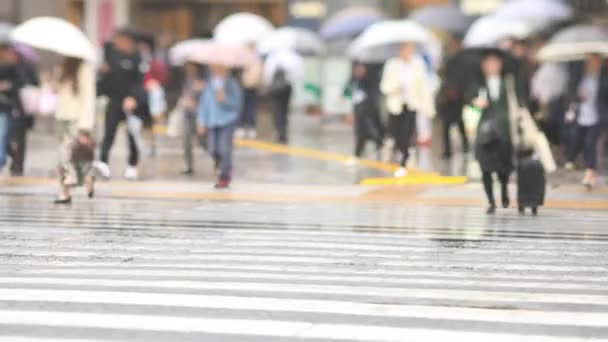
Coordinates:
446 156
103 168
569 166
67 200
239 133
187 172
506 202
491 210
131 173
222 184
252 134
91 188
352 161
401 172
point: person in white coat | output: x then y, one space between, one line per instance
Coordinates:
408 92
75 115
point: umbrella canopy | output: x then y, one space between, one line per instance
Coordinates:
575 43
242 28
442 17
287 60
292 38
488 31
381 40
350 22
56 35
179 53
5 31
541 12
213 52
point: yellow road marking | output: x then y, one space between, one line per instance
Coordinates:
416 180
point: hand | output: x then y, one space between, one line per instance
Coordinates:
199 85
104 68
220 95
202 130
5 85
129 104
480 102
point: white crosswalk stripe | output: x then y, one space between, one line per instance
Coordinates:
156 271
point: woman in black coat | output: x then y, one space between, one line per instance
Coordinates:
494 147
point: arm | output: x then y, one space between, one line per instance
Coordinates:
203 113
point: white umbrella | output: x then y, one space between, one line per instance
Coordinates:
56 35
549 82
5 31
287 60
489 31
540 12
380 41
242 28
179 53
443 17
575 43
213 52
350 22
292 38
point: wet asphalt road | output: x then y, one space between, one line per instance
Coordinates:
158 270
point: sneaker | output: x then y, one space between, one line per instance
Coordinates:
401 172
239 133
131 173
352 161
103 169
222 184
252 134
569 166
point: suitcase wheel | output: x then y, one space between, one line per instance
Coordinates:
535 211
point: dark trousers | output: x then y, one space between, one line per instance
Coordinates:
250 108
402 128
220 145
368 127
17 143
585 138
447 143
190 137
114 116
488 185
281 101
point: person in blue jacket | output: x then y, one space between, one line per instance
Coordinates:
218 113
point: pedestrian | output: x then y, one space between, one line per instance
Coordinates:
21 121
251 81
122 81
194 83
494 147
10 83
589 105
368 125
281 91
406 86
75 115
218 115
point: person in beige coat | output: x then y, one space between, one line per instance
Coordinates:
75 115
408 92
251 81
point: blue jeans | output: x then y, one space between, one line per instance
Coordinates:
3 138
220 145
585 138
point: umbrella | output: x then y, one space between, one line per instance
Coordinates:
56 35
242 28
5 31
488 31
541 12
443 17
350 22
179 53
292 38
213 52
381 40
575 43
289 61
550 82
464 67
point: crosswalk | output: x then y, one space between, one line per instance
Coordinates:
127 270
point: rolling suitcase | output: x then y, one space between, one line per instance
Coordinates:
531 184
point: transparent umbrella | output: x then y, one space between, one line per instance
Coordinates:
350 22
540 12
242 28
301 40
575 43
442 17
489 31
213 52
179 53
287 60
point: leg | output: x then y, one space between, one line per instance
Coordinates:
189 134
225 147
504 188
133 151
575 142
463 135
395 124
489 189
591 140
447 143
3 139
113 118
212 146
409 128
17 142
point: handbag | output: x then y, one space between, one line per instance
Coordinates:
488 132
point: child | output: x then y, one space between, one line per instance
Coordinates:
79 170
